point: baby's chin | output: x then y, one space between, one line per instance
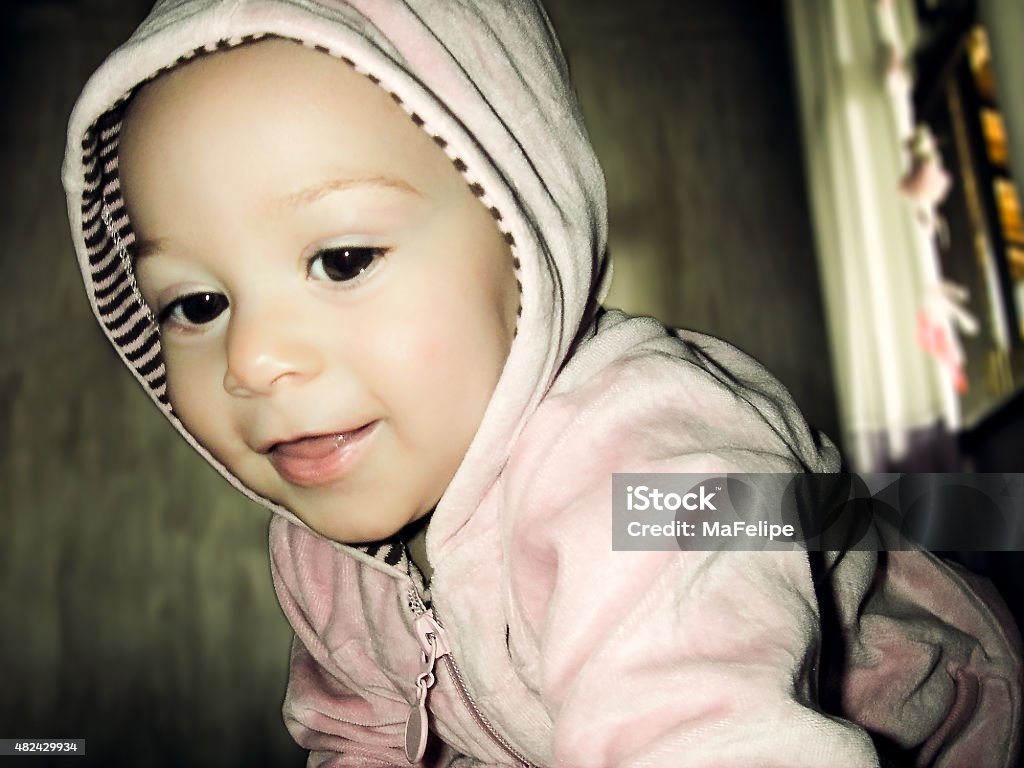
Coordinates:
359 532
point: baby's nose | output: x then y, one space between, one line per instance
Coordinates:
265 352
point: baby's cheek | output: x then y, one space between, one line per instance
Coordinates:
192 388
461 355
180 391
448 374
431 344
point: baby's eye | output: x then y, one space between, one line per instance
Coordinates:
195 308
344 263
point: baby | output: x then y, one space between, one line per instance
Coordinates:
355 252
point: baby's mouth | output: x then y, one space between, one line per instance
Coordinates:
311 447
319 459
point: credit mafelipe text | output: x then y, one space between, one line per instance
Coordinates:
736 528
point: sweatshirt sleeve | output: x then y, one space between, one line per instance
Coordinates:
693 659
325 717
682 659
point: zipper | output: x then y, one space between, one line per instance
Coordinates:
434 641
430 635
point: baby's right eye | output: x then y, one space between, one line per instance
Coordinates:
194 308
344 264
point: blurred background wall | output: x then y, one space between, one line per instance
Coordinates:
691 109
136 609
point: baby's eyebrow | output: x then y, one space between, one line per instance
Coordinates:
143 248
315 192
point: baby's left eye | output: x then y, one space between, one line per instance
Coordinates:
344 263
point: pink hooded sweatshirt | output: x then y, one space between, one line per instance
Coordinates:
545 646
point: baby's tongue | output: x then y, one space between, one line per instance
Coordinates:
310 447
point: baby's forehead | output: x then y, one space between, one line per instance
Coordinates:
277 101
261 70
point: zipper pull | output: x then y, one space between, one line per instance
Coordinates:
417 726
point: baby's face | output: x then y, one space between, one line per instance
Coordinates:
336 306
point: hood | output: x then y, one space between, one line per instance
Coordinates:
485 78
